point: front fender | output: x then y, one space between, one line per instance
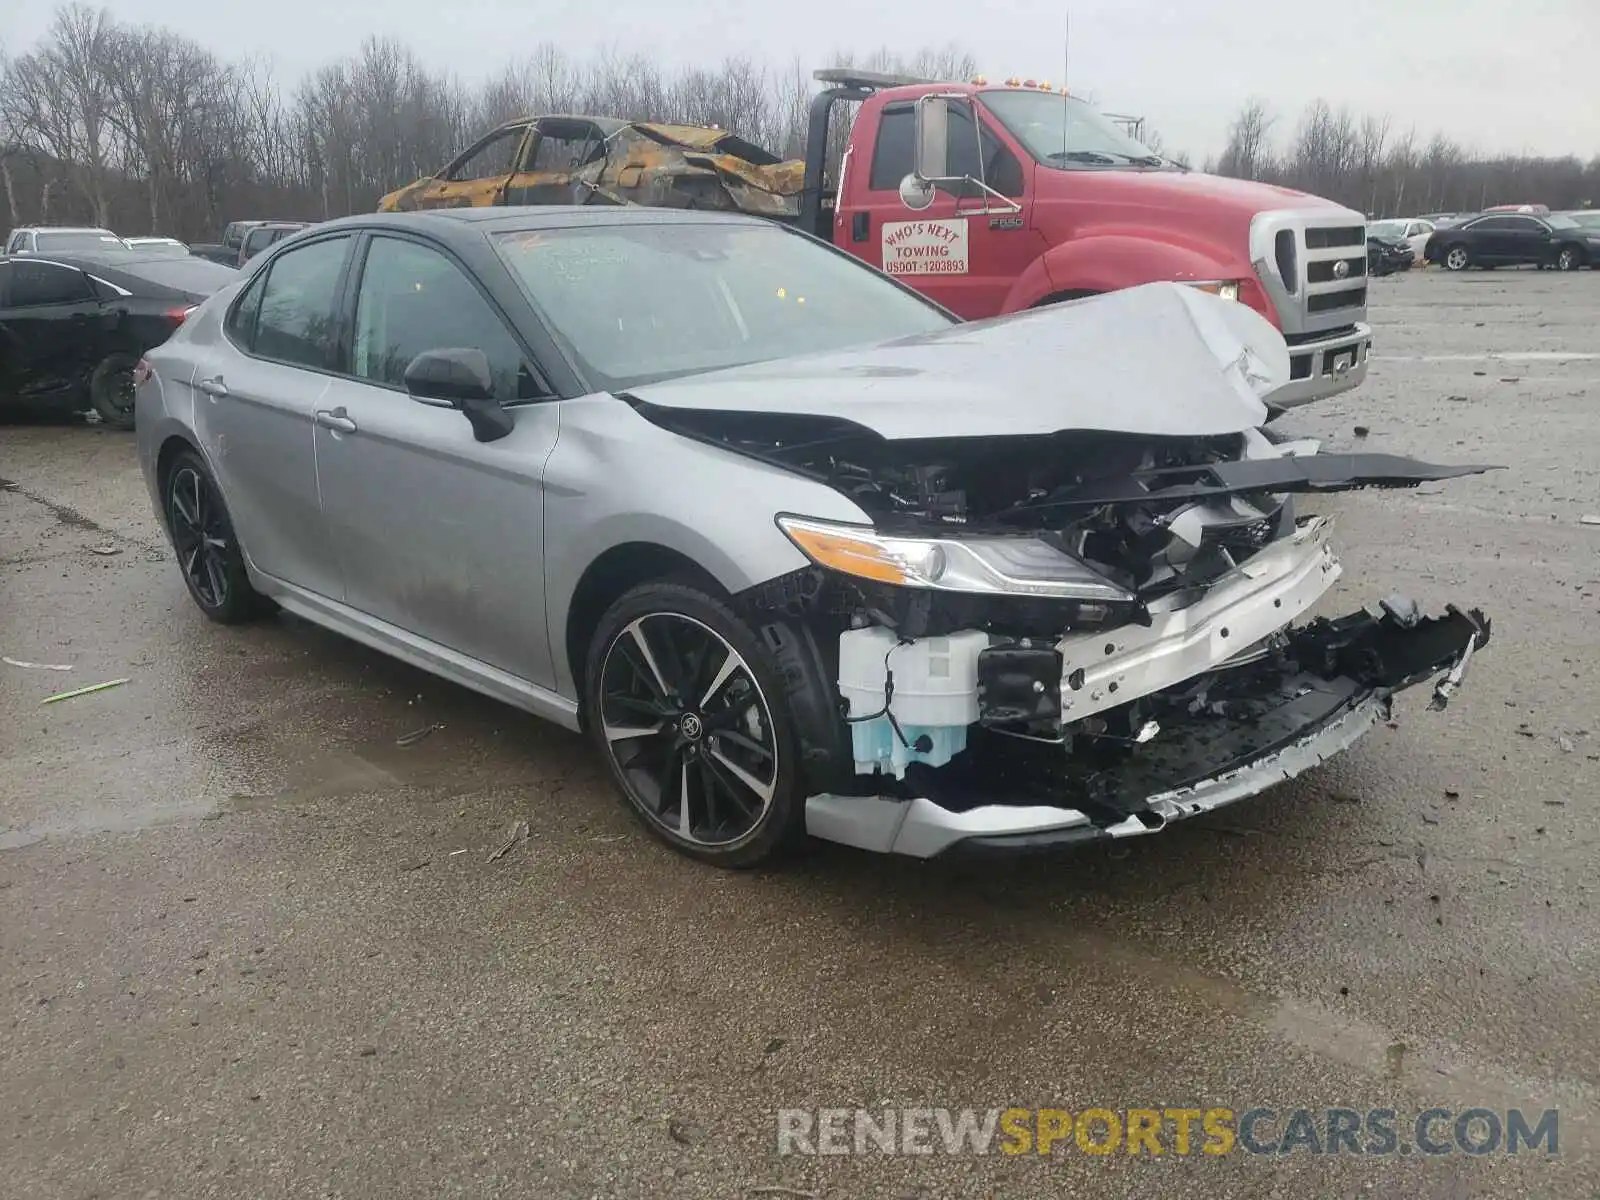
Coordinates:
1109 262
615 479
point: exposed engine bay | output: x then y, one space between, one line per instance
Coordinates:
1082 623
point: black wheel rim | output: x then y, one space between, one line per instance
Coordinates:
199 535
688 729
120 391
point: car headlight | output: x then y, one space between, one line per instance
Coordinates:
1228 289
1014 566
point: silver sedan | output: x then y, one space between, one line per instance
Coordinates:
801 552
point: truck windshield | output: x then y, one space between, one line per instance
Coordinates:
1060 131
642 302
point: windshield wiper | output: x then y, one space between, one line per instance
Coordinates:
1089 156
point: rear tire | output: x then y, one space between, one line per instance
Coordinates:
111 389
690 713
207 548
1457 259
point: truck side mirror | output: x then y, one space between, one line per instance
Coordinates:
929 164
933 133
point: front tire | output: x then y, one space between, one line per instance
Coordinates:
207 548
1569 259
690 714
111 389
1457 259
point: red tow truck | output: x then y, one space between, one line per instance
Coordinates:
988 198
996 198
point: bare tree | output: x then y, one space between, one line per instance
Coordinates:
1248 154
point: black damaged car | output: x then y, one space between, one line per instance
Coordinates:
1387 254
72 329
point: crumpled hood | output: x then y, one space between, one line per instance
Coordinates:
1159 359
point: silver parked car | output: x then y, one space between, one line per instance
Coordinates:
798 549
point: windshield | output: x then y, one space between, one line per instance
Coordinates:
62 241
1386 229
638 303
1560 222
1060 131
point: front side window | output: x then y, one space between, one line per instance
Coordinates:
413 299
495 157
638 303
1063 132
38 284
894 155
296 321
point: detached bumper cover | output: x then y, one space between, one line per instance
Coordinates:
1341 685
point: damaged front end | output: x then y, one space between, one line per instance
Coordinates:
1045 640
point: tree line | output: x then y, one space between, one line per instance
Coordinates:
1367 163
143 130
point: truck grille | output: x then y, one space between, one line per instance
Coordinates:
1330 301
1344 235
1325 270
1313 265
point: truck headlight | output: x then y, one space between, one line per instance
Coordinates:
1014 566
1228 289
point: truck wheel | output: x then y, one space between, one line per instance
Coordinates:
111 389
1457 259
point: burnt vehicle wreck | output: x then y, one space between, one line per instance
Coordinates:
1038 639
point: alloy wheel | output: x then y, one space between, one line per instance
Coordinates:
1568 259
688 729
1456 260
199 535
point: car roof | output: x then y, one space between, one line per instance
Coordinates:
444 221
62 229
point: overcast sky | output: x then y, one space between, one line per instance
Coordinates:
1496 75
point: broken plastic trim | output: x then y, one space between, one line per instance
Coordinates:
1237 733
1279 475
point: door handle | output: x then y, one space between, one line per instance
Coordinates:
859 226
337 420
213 386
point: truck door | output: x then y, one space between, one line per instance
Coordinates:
954 252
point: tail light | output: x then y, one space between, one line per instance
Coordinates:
141 372
179 315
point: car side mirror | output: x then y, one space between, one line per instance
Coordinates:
459 378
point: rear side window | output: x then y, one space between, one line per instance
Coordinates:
35 284
241 322
295 323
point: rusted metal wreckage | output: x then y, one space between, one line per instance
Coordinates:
598 160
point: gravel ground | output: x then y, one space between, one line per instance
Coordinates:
249 946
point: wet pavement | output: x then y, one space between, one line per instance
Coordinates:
251 946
